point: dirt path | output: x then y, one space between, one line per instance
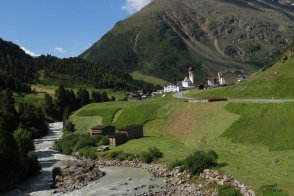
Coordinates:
181 95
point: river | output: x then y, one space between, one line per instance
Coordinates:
117 181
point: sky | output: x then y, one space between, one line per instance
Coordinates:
63 28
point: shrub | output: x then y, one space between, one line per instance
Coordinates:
147 157
151 155
156 152
56 171
88 152
34 165
119 155
228 191
175 163
199 161
271 190
73 142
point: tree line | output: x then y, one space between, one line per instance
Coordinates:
18 70
66 101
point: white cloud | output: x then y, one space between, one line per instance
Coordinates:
27 51
133 6
59 49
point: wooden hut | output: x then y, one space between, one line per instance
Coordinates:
105 130
117 139
133 131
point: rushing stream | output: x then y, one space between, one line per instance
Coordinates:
118 180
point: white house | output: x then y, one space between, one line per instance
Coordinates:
212 81
168 88
230 77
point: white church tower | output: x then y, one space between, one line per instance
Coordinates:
191 76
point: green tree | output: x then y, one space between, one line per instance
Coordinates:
7 110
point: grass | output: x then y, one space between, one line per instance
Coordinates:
35 99
148 79
276 82
50 89
177 128
267 124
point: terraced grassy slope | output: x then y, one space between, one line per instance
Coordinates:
261 152
276 82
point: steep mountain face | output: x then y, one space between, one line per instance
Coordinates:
168 36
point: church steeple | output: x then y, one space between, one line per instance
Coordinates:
191 76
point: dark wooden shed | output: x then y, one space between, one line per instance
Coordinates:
105 130
117 139
133 131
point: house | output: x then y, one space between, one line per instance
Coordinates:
105 130
212 81
133 131
230 77
118 139
171 88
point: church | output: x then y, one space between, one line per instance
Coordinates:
188 82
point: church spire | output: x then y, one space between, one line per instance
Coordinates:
191 76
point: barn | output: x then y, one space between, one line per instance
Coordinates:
133 131
105 130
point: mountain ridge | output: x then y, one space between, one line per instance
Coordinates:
166 37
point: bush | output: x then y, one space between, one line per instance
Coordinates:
89 152
199 161
56 171
119 155
271 190
228 191
34 165
69 127
151 155
175 163
74 142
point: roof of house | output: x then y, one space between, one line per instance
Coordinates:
186 79
170 84
99 127
117 135
130 127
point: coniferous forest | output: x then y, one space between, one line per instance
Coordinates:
18 70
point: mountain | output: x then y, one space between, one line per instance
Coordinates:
167 36
17 69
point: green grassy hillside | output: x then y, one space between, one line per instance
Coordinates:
275 82
253 141
148 79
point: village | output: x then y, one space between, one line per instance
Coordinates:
225 78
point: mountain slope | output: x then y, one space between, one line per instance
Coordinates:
167 36
275 82
17 69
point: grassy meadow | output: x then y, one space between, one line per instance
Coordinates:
51 90
276 82
148 79
253 141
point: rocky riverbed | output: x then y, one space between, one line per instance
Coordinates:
79 176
